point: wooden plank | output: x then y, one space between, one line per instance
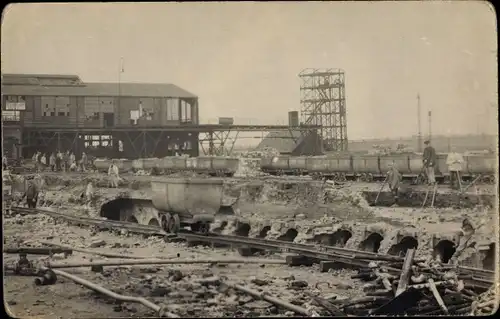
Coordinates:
405 274
437 296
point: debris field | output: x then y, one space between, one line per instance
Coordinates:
199 281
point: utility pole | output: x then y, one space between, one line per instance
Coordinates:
419 124
120 71
430 125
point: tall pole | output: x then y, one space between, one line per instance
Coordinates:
419 124
430 125
120 71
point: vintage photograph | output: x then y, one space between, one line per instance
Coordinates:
250 159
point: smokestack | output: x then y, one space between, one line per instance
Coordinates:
293 118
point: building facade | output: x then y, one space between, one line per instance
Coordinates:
126 120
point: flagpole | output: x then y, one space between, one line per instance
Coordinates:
120 71
430 125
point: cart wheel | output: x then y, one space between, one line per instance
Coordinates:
175 224
204 228
166 220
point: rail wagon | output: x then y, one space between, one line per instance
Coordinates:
401 162
298 164
102 164
188 202
366 166
224 165
317 165
484 166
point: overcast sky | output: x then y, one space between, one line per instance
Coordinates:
242 59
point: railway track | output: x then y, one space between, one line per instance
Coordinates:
100 223
353 258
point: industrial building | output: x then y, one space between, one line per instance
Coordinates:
48 113
126 120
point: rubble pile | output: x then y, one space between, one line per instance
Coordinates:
487 303
249 167
421 288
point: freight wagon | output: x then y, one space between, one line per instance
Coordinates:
212 165
375 167
189 202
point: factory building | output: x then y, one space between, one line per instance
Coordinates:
121 120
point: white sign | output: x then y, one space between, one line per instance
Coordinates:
18 106
11 115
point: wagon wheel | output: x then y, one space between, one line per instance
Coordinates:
369 177
204 228
174 224
165 222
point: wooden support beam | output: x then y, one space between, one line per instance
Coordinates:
437 296
406 272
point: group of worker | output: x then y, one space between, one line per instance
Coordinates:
60 161
429 158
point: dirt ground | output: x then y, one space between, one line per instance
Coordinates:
171 284
177 286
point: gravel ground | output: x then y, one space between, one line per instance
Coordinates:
178 285
174 285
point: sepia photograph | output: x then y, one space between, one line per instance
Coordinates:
250 159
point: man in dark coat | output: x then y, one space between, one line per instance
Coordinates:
429 159
394 179
31 195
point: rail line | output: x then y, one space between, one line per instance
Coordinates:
353 258
101 223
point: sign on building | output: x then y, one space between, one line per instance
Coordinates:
16 106
11 116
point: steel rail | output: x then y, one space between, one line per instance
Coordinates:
337 254
90 285
105 223
342 255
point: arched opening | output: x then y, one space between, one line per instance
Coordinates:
371 243
243 230
289 235
112 209
263 232
122 208
489 259
154 222
132 219
406 243
221 227
340 238
444 250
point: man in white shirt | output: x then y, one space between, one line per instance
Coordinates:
113 173
455 164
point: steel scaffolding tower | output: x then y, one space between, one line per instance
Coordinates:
323 103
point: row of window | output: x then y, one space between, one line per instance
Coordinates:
59 106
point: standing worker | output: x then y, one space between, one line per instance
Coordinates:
429 159
455 162
66 161
83 162
89 195
394 178
71 159
58 160
5 163
114 175
52 162
31 194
